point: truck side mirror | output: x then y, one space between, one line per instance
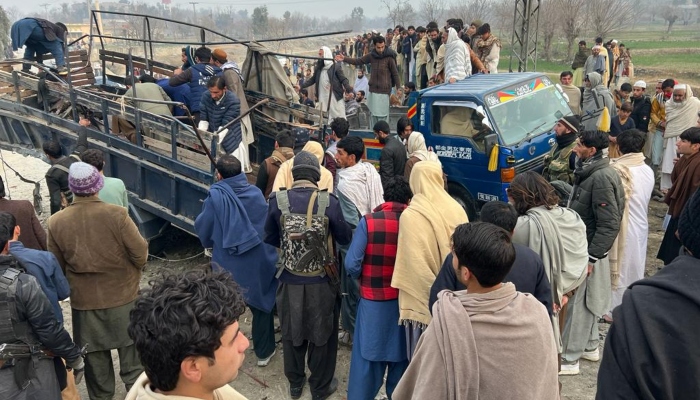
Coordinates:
562 92
490 141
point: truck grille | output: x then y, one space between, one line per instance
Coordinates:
535 164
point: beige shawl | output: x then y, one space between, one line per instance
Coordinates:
284 175
496 345
425 237
683 115
622 166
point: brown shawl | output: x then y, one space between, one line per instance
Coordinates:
686 179
484 346
483 47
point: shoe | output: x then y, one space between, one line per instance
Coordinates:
63 71
295 392
593 355
345 338
263 362
569 369
331 389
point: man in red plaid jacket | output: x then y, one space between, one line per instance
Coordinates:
379 342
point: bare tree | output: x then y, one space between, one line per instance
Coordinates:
670 14
432 10
399 11
549 25
607 16
572 20
470 10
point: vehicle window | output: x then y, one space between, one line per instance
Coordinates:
461 121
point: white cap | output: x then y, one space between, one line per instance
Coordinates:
640 84
680 86
614 41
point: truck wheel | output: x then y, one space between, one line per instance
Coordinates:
464 198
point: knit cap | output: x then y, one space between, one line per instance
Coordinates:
306 167
689 225
570 122
219 55
382 126
84 179
477 23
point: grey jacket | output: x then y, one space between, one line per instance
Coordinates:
599 198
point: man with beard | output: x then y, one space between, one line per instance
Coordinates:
681 114
579 61
361 82
331 84
434 43
595 62
384 77
560 163
392 160
595 97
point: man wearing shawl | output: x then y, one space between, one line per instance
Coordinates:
685 181
681 113
595 62
360 192
424 241
284 177
457 62
331 84
483 341
488 48
595 97
627 265
417 152
232 223
573 92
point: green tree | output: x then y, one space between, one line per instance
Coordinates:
260 21
5 43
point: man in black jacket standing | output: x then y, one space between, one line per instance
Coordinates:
392 161
29 323
57 176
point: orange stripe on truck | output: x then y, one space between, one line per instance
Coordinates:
412 111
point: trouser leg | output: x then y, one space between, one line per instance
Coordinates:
263 331
129 365
99 375
56 48
579 328
393 376
294 362
350 292
322 359
365 377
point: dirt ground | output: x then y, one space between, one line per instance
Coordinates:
269 383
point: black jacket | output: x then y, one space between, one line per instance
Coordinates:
339 82
651 351
527 274
392 161
57 178
641 112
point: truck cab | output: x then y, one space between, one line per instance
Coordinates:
488 128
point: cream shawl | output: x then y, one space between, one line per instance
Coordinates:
361 184
425 237
496 345
284 174
681 116
416 148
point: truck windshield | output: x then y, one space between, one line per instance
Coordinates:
526 111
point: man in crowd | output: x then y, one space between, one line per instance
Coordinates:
379 344
339 130
196 77
351 105
217 109
477 334
579 62
331 84
407 45
685 180
114 191
23 210
30 322
384 77
651 350
232 223
104 280
147 89
360 96
421 77
595 97
305 99
39 37
488 48
285 176
57 175
598 197
472 32
360 192
392 160
681 113
595 62
307 299
284 150
573 93
193 347
527 273
424 242
631 245
361 82
658 126
641 109
560 163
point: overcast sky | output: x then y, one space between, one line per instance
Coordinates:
319 8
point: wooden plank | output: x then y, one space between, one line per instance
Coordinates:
151 63
7 89
189 157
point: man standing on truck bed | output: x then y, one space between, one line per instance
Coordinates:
217 108
57 176
392 161
196 77
39 37
384 76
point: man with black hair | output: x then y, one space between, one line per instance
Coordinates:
305 99
40 37
190 348
307 300
114 191
478 336
579 61
685 180
217 108
34 234
147 91
351 105
197 77
622 95
384 77
379 343
392 161
232 224
658 127
407 45
421 77
488 48
598 197
641 108
560 163
57 176
573 93
339 130
31 322
284 150
527 274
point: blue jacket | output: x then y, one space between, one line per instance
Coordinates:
200 75
218 115
176 93
43 266
22 29
231 222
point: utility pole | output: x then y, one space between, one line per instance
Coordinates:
46 9
194 11
525 23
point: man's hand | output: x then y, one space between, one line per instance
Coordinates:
339 57
78 367
590 269
177 71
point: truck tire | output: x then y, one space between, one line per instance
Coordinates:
464 198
